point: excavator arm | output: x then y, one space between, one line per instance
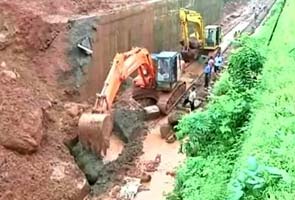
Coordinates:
95 128
125 64
189 16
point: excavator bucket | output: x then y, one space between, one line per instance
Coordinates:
95 132
192 52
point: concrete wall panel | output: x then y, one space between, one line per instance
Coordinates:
154 26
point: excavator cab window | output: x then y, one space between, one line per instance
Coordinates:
213 35
167 73
167 67
163 70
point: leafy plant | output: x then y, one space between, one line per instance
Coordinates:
253 180
244 68
251 112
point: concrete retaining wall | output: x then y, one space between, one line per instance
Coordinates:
154 26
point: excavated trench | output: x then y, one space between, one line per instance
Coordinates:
102 176
131 130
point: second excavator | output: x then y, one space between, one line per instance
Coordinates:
196 38
158 78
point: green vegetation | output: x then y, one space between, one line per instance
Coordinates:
270 135
240 146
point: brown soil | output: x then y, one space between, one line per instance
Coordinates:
50 172
70 7
32 116
34 162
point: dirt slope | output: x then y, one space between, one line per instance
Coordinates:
34 162
70 7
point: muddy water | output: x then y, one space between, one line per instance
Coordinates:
170 159
116 147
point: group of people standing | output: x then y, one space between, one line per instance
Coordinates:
213 66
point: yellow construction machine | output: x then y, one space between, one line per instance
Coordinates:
196 38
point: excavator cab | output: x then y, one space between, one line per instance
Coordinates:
212 36
168 68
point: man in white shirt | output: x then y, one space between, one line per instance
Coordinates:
218 63
191 98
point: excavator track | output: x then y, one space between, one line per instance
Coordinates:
167 101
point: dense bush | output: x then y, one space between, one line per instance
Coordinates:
218 126
271 131
212 139
213 134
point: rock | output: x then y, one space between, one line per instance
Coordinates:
4 41
3 65
26 174
115 191
152 112
171 173
74 109
235 15
198 103
16 73
127 122
71 92
29 136
171 138
145 178
174 117
165 130
46 104
9 75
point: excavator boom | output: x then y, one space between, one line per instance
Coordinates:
190 16
95 128
125 64
203 40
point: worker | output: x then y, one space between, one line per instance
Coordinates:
191 98
212 61
256 16
235 34
239 34
218 62
207 72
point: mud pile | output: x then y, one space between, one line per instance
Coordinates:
70 7
129 126
103 176
34 163
128 122
21 116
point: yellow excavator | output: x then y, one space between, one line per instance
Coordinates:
204 40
